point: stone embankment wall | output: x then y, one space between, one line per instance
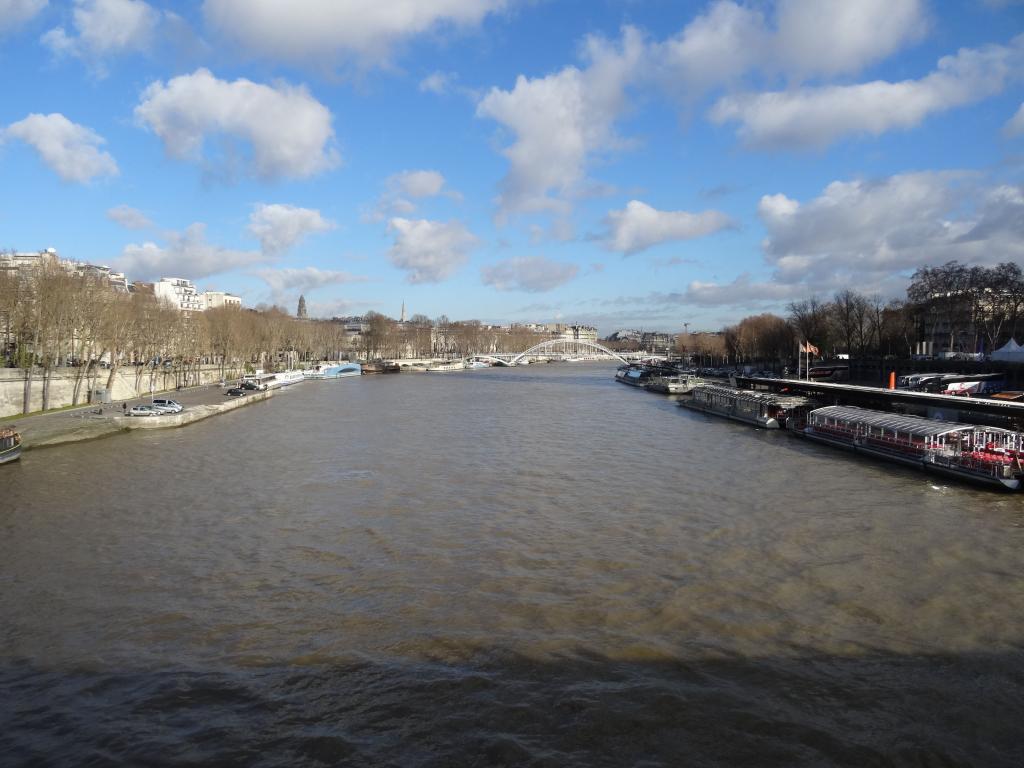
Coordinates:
128 383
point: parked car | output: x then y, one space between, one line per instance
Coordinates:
144 410
237 392
172 406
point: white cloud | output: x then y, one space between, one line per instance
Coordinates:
741 292
129 218
560 122
439 83
105 27
871 234
69 149
809 37
415 184
816 117
279 227
832 37
328 32
1015 125
429 251
715 48
289 131
14 13
289 283
418 183
639 226
533 274
186 254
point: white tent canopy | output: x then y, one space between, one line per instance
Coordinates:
1010 352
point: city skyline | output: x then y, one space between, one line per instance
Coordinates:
622 165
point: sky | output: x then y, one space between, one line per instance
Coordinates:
646 164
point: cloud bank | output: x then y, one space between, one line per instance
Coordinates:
288 132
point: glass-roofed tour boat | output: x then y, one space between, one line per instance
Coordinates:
762 409
981 454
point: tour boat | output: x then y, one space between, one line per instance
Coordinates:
289 377
445 367
10 445
473 365
634 375
278 380
762 409
981 454
681 384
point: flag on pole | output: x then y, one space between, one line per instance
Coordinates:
809 349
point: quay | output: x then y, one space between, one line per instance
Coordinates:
934 406
52 428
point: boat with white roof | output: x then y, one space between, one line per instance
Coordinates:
987 455
762 409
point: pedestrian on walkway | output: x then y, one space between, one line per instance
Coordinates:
124 408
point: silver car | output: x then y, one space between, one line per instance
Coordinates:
168 405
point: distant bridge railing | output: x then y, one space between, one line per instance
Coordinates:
570 346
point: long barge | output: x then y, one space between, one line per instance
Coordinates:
986 455
762 409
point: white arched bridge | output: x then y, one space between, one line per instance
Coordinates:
567 348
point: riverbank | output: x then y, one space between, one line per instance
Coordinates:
50 429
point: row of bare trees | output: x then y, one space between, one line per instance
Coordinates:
53 318
851 323
971 308
967 308
385 338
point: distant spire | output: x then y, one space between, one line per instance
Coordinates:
403 312
301 311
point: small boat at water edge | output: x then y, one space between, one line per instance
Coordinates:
979 454
447 366
332 371
10 445
381 366
343 370
762 409
474 365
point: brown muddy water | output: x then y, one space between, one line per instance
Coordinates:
532 566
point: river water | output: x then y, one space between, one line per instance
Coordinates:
530 566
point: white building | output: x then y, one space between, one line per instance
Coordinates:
179 293
218 299
572 332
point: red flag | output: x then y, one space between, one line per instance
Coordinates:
810 349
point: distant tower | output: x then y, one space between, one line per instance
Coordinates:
301 311
403 313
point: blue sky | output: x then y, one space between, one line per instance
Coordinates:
628 164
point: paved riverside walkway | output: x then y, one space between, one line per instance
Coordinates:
92 421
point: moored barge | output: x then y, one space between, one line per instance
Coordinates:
980 454
762 409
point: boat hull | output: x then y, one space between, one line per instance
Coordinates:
10 454
915 462
766 423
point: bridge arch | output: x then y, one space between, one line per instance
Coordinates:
576 342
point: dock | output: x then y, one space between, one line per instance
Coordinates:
935 406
